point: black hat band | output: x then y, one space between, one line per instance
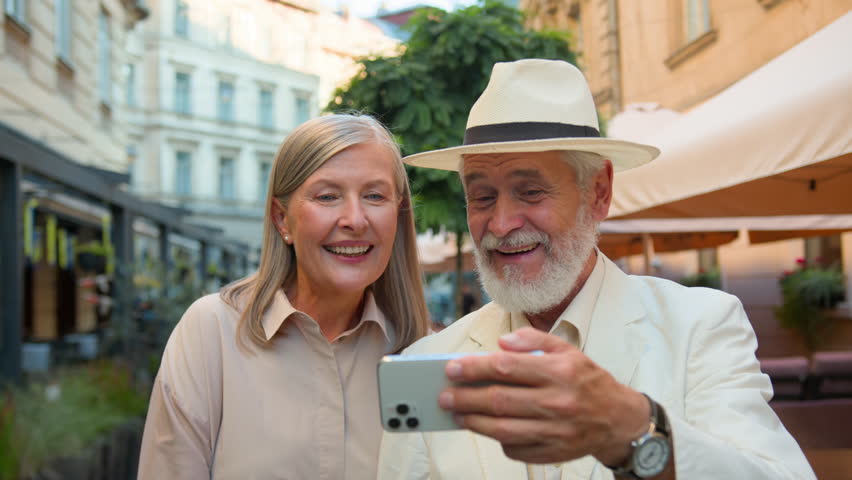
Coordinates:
520 131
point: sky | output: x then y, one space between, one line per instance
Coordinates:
368 8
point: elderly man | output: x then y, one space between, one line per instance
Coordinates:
640 377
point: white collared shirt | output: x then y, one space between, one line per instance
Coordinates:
573 323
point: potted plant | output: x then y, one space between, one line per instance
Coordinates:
704 278
808 294
70 420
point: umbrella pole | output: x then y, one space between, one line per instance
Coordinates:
648 250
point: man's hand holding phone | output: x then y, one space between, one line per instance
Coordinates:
545 408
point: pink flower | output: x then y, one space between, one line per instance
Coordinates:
801 261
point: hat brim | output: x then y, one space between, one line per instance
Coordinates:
623 155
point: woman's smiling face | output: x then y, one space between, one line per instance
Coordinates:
342 221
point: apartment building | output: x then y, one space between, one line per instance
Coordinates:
61 75
212 89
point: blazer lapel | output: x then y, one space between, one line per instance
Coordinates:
612 341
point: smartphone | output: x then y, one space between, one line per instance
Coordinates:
409 386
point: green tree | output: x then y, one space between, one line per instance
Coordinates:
424 94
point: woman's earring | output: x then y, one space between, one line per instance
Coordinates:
287 238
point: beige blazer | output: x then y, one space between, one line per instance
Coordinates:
691 349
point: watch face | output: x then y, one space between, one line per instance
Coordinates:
651 457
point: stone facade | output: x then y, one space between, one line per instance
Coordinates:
63 87
662 56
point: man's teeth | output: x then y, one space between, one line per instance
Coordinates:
351 251
518 250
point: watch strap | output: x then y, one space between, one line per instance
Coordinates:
658 424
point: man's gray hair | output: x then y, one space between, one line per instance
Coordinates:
585 164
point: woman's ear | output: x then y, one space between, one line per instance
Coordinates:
279 219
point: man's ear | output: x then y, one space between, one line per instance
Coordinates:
602 192
279 219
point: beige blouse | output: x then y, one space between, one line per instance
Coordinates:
302 409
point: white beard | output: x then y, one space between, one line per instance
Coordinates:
565 258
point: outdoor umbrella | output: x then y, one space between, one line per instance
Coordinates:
777 142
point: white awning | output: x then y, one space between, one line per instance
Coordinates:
777 142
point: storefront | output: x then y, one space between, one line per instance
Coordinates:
78 252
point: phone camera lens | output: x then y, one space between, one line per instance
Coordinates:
394 423
412 422
402 409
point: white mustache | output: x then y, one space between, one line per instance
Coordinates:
490 241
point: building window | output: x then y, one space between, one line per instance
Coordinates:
225 30
264 170
183 174
696 18
226 178
17 9
226 101
63 30
131 85
181 19
266 109
303 109
104 60
183 103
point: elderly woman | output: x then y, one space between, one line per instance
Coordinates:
275 377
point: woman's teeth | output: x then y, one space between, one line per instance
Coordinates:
349 251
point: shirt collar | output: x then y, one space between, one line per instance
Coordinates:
281 310
579 312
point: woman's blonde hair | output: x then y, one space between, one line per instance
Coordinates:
398 291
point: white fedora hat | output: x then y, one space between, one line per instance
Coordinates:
535 105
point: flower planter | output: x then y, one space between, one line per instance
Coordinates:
114 457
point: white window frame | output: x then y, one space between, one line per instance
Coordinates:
696 18
104 59
179 180
266 109
17 9
131 99
226 31
227 179
183 103
181 19
226 107
299 98
64 34
264 170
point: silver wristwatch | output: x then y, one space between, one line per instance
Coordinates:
652 450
